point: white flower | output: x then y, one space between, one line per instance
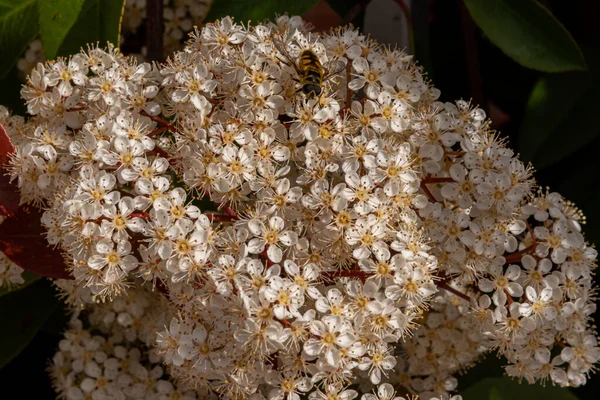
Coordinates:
540 304
333 333
366 234
118 258
555 241
502 283
194 84
582 351
271 237
287 386
385 391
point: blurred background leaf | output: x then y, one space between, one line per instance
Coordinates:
257 10
18 27
560 117
528 33
99 22
23 313
505 388
56 18
23 241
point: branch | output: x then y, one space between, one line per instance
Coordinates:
516 257
437 180
154 29
428 192
450 289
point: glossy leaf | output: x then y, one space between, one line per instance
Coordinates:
23 313
528 33
560 117
99 22
244 11
56 18
505 388
9 195
23 241
18 27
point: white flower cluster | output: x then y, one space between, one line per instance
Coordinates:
308 237
180 17
543 298
105 353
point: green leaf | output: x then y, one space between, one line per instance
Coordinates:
99 22
528 33
487 367
23 313
10 95
18 27
507 389
56 18
29 278
258 10
560 117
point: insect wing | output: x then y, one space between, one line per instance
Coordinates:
281 48
330 72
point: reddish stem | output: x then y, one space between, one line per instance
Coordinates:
160 121
348 91
140 214
428 192
229 211
437 180
345 273
516 257
159 131
220 217
450 289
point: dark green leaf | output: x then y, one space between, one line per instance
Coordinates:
58 321
255 11
549 103
489 366
56 18
29 278
23 313
10 95
507 389
99 22
528 33
560 117
18 27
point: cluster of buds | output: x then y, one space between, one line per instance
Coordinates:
314 215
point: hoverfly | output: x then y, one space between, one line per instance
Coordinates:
311 73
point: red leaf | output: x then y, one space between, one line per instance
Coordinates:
22 240
9 194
